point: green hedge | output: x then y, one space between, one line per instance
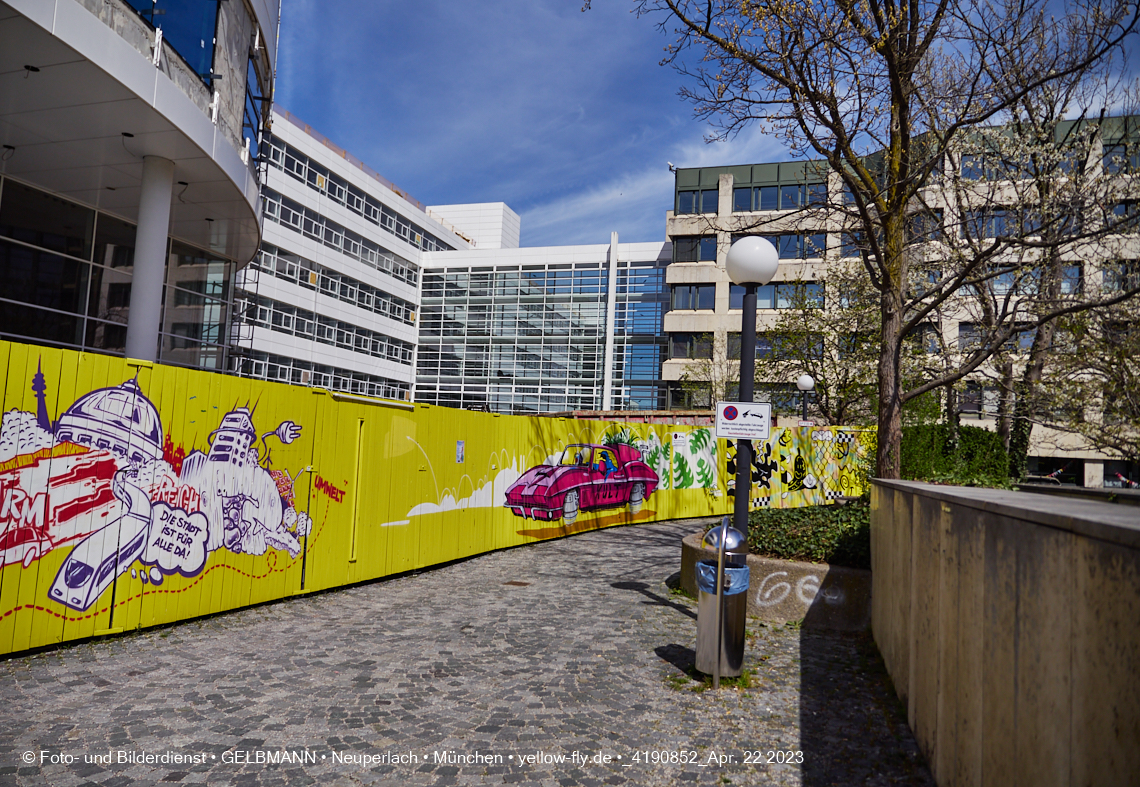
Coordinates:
979 460
840 535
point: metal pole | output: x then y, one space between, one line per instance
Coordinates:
805 404
720 600
747 375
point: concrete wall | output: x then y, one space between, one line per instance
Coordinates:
818 594
1009 624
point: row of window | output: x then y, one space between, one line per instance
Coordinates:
266 366
789 295
555 280
510 319
508 362
522 400
304 169
645 278
314 276
776 346
1116 159
313 225
288 319
790 246
746 199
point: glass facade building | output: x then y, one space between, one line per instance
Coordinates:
518 338
67 271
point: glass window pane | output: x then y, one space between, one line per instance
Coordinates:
709 201
735 296
815 244
816 194
766 297
114 242
686 202
767 198
742 200
789 247
708 249
790 197
706 296
44 220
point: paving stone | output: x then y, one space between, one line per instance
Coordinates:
593 654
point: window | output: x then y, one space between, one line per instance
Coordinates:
815 245
980 400
695 248
925 225
694 296
690 346
985 224
790 247
851 244
687 202
1119 160
742 200
1121 275
791 197
767 197
709 199
703 201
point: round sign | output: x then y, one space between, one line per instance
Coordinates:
730 413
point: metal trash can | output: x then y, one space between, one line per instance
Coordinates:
734 605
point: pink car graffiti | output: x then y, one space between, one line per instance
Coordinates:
586 478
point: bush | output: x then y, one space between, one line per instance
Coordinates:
979 460
840 535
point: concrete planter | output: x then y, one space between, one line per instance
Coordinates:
819 594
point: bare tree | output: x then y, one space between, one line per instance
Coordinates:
883 91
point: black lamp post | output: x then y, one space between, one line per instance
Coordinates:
752 262
806 383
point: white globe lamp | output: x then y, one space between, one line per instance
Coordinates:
752 260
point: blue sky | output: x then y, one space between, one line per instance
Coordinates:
565 116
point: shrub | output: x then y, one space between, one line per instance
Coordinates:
840 535
980 459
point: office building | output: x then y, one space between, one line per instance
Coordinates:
128 171
788 204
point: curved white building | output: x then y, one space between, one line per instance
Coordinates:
129 178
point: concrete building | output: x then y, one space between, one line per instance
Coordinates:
788 204
128 171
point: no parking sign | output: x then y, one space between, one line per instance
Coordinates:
743 420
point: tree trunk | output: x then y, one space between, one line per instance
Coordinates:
1022 428
951 419
1005 399
888 458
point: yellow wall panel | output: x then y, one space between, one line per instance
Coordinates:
152 494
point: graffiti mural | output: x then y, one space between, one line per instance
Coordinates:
803 466
585 478
99 479
136 495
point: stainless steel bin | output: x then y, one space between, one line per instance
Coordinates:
727 634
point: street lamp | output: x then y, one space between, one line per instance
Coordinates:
752 262
805 383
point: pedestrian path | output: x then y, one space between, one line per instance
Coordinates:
558 663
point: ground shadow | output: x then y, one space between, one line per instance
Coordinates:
681 657
654 599
853 728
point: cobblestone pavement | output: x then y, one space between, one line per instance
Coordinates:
568 646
